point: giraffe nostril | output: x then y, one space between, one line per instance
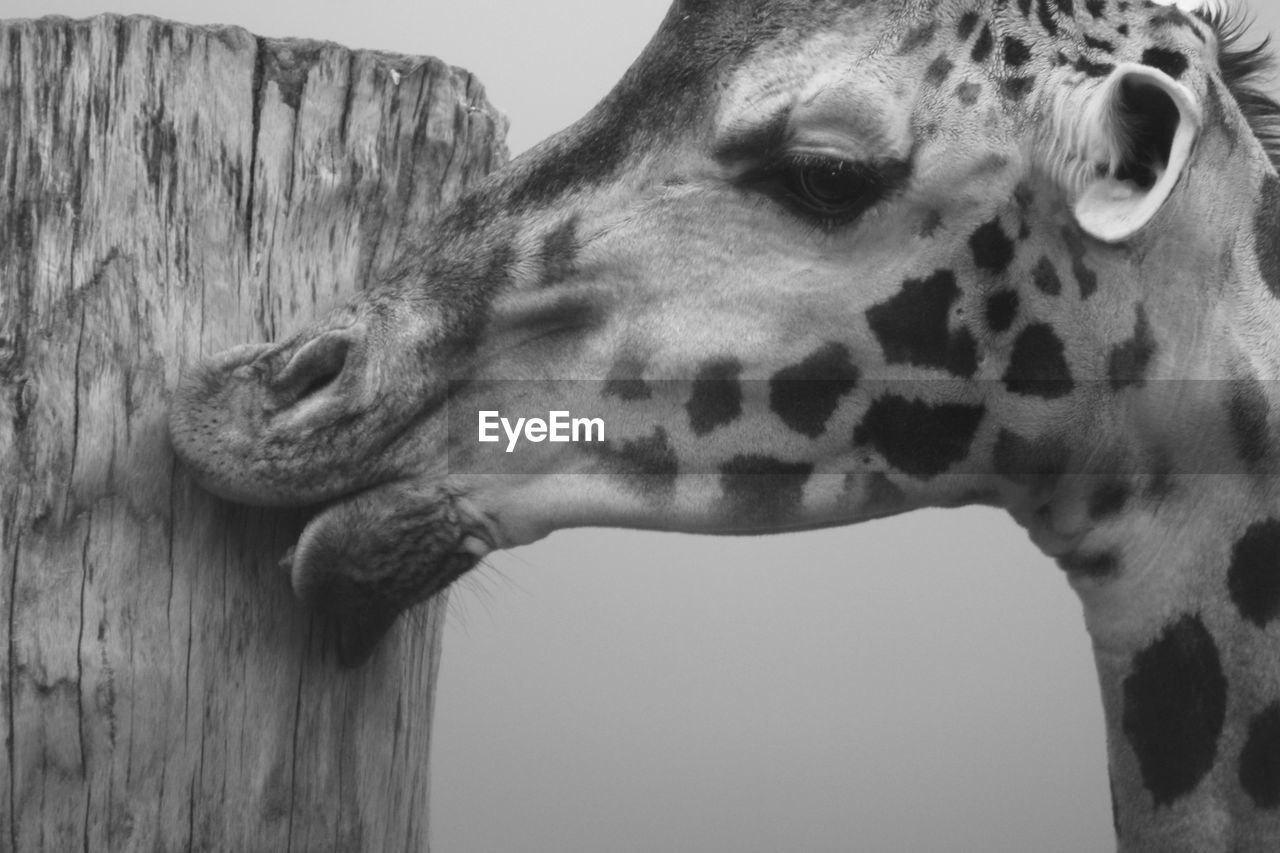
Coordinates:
319 382
313 368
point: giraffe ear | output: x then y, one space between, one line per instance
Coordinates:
1141 126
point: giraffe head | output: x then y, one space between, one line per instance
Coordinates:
810 263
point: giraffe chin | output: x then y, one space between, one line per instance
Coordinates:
367 558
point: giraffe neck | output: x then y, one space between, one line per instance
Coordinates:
1174 548
1190 678
1159 497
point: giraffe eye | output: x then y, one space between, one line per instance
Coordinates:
834 192
828 186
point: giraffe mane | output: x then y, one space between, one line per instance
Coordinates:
1246 70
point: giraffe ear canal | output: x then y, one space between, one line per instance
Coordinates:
1147 124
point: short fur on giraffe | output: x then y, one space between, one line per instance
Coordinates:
820 262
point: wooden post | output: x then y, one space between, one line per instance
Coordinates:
168 191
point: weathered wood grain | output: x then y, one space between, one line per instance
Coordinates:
168 191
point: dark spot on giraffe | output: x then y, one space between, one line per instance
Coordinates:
1046 17
912 326
917 438
992 248
1045 276
938 71
982 47
1024 6
968 23
1123 30
979 497
1099 44
1038 364
624 380
918 38
883 495
1260 759
1266 227
1097 8
930 223
1254 576
716 399
1086 278
560 252
1172 16
1107 500
1029 462
1171 62
1024 196
760 489
1091 68
1067 7
1002 308
1016 52
1017 88
1092 566
968 93
991 164
498 266
1127 366
1175 701
648 465
1247 412
805 395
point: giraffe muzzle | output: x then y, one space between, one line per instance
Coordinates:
289 424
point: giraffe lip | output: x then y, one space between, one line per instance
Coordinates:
366 558
362 623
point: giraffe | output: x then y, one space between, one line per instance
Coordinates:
815 262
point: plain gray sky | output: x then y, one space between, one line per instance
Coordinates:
918 684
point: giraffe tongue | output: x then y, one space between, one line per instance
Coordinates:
476 546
